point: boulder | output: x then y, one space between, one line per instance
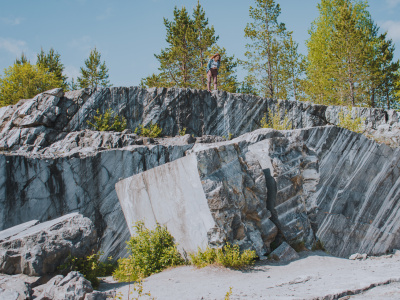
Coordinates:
206 198
72 287
358 256
284 253
97 295
40 249
14 288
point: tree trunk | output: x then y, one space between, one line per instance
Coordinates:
351 82
373 98
387 99
270 84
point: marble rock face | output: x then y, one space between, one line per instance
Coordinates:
298 186
206 198
243 191
322 183
38 250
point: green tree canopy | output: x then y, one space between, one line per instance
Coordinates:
22 60
385 75
190 43
24 81
51 61
272 60
346 57
95 73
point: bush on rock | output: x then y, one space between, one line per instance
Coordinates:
228 256
151 251
109 121
275 121
90 267
347 121
151 130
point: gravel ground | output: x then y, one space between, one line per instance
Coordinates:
315 275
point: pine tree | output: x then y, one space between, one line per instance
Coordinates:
72 85
51 61
191 41
397 89
156 80
387 74
270 55
341 53
295 68
95 73
176 61
350 47
205 38
247 86
22 60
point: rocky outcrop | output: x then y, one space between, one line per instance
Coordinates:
209 197
284 253
325 183
34 124
73 286
14 288
321 184
38 250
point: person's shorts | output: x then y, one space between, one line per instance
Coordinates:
214 72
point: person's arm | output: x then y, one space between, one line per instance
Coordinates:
208 66
218 64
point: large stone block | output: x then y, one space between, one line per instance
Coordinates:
209 197
171 195
38 250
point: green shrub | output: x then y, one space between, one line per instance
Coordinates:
346 121
109 121
151 130
228 294
229 256
90 266
274 120
151 251
182 132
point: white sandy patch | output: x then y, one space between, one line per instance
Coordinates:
315 275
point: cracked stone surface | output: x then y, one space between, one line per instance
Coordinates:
315 275
39 249
323 183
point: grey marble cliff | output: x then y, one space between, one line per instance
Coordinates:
324 183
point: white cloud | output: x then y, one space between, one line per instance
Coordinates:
392 3
11 21
393 29
105 15
15 47
84 43
71 72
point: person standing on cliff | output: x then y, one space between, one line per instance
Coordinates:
212 70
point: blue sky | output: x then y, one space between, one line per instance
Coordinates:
129 32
